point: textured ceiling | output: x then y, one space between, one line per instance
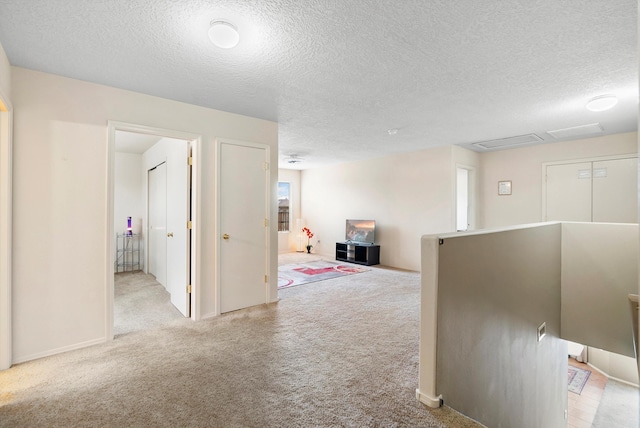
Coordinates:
336 75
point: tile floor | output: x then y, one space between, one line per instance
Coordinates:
582 408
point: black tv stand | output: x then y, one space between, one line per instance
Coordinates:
360 253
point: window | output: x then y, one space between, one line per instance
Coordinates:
284 196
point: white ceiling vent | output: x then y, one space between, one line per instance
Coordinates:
577 131
508 142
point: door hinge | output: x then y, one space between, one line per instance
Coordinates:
265 279
266 166
189 288
266 222
190 161
189 225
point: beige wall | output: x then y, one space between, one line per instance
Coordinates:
493 290
60 212
6 148
524 168
414 193
575 277
287 240
5 75
599 270
408 195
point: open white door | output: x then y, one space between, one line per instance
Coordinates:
157 200
243 230
178 248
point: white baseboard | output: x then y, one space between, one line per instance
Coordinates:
60 350
209 315
433 402
626 382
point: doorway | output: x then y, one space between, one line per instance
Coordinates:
155 205
465 198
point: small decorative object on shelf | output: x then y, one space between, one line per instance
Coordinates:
309 236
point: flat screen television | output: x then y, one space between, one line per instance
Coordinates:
361 231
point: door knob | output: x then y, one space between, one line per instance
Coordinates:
225 236
170 235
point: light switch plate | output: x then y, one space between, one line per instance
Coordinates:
542 331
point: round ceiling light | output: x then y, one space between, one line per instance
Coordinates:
223 34
293 159
602 103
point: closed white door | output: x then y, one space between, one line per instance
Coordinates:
178 248
615 191
601 191
157 184
243 210
569 192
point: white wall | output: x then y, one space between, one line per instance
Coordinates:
523 167
287 240
408 195
60 210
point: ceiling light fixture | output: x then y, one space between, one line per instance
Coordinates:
602 103
293 159
392 131
223 34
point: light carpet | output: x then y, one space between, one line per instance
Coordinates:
343 353
619 406
294 274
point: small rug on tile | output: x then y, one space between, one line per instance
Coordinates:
304 273
577 379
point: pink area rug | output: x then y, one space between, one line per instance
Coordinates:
577 379
304 273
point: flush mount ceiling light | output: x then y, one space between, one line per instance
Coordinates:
602 103
293 159
223 34
392 131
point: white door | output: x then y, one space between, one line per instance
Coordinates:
569 192
178 248
601 191
615 190
243 232
157 184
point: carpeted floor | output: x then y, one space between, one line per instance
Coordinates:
343 353
619 407
140 303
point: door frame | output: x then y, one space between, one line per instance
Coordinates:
543 214
196 210
6 207
471 196
218 286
